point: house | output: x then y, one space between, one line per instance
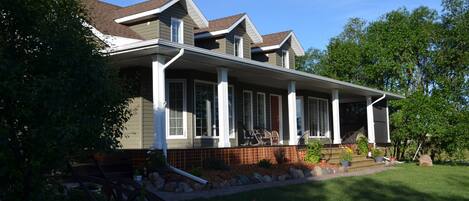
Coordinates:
202 83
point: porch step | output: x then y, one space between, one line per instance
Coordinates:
364 166
336 158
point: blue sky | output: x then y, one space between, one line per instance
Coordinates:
314 21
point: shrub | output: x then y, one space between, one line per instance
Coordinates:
346 154
280 155
362 145
264 163
313 152
215 164
196 171
155 161
377 153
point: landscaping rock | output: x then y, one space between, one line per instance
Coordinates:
266 178
425 160
318 171
296 173
170 187
307 173
257 177
184 187
283 177
243 180
342 169
197 187
156 180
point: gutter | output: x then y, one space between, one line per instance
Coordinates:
165 147
379 99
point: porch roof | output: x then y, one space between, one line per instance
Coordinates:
245 70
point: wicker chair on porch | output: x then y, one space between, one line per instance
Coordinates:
248 136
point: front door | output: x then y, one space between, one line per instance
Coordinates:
276 115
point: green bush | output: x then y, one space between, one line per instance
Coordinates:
264 163
155 161
280 155
215 164
313 152
362 145
377 153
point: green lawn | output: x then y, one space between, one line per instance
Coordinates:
405 183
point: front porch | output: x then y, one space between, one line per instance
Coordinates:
204 100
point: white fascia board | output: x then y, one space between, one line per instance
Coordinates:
146 13
110 40
147 44
296 46
196 14
250 30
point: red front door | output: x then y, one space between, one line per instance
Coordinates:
275 113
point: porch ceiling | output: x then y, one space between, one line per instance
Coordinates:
245 70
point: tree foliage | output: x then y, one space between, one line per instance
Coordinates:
421 54
58 98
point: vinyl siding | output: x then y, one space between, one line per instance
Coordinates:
132 138
148 29
176 11
239 31
216 44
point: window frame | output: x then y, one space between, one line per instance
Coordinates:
302 110
264 109
240 46
285 59
184 109
180 30
328 129
251 123
233 106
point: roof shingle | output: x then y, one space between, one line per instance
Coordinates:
272 39
220 24
140 7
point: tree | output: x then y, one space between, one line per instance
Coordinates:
58 97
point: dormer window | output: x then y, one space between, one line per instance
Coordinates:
238 46
177 30
285 59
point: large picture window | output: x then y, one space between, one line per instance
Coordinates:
176 99
318 112
261 110
206 109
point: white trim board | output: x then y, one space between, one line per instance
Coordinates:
295 44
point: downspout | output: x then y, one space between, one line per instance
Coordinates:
377 100
165 147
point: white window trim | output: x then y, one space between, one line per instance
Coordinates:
280 114
181 30
286 58
302 114
265 106
233 131
328 129
241 46
184 109
251 124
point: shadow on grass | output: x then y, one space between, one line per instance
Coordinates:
362 189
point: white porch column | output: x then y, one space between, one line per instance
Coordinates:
223 109
370 120
292 113
159 103
387 122
336 116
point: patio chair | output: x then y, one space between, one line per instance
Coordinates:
248 136
275 138
263 136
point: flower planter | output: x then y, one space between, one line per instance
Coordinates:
345 163
379 159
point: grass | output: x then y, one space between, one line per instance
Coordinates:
407 182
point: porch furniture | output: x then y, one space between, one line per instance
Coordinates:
275 138
263 136
248 136
114 177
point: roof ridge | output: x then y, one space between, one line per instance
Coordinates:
279 32
226 17
107 3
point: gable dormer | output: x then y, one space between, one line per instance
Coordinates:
278 49
231 35
172 20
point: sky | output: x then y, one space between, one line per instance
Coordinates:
314 22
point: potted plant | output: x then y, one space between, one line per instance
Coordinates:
346 157
378 155
362 145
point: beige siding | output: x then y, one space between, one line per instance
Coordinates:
177 11
147 123
215 44
132 138
147 29
239 31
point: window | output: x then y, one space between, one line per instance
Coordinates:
177 30
206 109
176 99
318 113
285 59
238 46
261 108
247 109
299 116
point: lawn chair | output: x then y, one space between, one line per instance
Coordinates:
248 136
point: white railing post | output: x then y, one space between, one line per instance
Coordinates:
336 116
223 109
293 130
159 103
370 120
